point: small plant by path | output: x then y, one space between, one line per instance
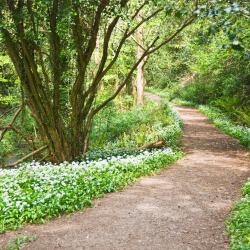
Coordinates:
239 222
17 242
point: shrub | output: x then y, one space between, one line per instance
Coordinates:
232 107
239 222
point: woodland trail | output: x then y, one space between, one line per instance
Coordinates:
182 207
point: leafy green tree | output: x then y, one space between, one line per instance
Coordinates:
8 83
51 44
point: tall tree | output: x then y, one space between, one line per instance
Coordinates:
51 44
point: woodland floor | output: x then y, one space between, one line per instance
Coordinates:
182 207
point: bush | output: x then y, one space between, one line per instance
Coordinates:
199 93
113 122
232 107
114 128
239 223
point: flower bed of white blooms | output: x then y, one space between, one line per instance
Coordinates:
34 192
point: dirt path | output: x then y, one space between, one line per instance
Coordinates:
183 207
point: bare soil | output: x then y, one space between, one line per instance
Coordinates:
182 207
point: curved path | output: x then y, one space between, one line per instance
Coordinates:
183 207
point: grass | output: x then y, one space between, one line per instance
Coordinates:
181 102
163 93
17 242
239 222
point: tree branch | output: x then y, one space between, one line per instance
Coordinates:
134 39
17 131
102 105
170 38
26 157
93 88
6 128
126 35
95 28
151 49
76 97
139 9
55 47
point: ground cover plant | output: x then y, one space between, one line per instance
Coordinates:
132 127
241 132
239 222
72 81
36 192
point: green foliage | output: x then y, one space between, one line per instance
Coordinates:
198 93
220 79
16 243
105 153
221 121
13 144
34 193
9 92
233 108
239 222
8 145
115 127
218 73
165 68
230 19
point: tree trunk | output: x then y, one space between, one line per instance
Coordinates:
59 58
140 80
